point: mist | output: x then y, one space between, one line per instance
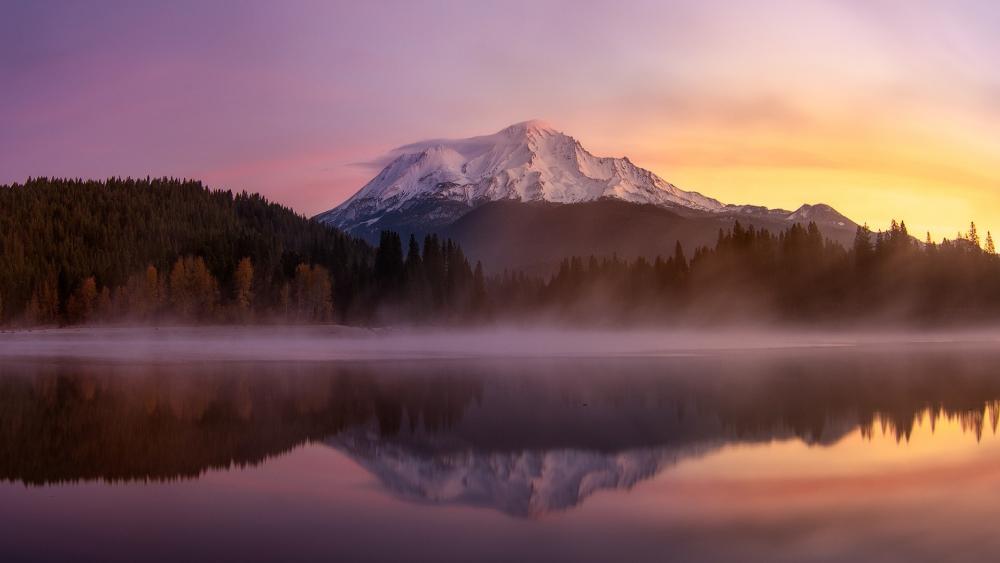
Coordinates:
338 343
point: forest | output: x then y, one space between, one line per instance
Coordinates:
794 276
169 250
165 250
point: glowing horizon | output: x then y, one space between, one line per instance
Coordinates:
881 109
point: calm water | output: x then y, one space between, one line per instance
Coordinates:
804 455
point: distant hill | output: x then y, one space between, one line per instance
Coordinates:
535 237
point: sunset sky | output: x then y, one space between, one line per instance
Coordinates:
880 108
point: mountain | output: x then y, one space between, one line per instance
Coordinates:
430 186
528 161
525 483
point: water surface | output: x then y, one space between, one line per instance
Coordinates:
885 453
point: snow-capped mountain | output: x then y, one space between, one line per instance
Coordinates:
441 468
528 161
519 483
429 185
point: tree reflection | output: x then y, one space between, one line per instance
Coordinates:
71 422
493 427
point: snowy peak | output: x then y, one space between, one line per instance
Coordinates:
527 161
524 484
532 127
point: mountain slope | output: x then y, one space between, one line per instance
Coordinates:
534 237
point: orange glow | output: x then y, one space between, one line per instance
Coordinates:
937 176
941 447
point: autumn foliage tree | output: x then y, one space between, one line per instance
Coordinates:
82 303
194 292
243 289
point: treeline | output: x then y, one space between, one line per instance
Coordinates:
754 275
169 250
123 422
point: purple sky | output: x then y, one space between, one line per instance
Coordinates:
870 105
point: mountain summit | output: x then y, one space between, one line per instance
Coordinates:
457 186
528 161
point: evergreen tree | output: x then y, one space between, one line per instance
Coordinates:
413 265
478 290
973 236
862 247
434 269
389 267
680 262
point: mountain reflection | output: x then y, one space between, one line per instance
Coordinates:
524 437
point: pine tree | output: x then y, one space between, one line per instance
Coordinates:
973 236
478 290
243 288
434 269
413 263
863 252
990 248
389 267
680 261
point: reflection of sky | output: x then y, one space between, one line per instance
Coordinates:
872 499
880 108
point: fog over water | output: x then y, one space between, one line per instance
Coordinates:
328 343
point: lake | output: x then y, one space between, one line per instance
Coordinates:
811 453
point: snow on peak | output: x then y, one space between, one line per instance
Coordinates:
522 484
532 126
527 161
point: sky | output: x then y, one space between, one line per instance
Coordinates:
882 108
